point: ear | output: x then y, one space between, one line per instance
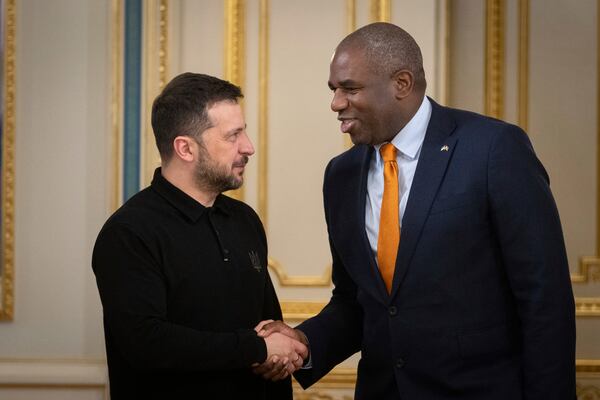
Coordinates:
182 148
404 83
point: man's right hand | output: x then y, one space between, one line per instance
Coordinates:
285 347
285 351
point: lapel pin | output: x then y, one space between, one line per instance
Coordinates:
444 148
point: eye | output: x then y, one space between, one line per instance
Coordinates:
234 136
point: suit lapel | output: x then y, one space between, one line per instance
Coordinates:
378 289
433 161
355 250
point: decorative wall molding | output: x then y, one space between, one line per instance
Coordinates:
299 394
301 310
494 58
263 158
338 378
151 28
598 128
587 306
523 74
381 10
299 280
116 121
588 366
588 392
163 44
263 103
7 273
34 373
235 54
589 270
350 16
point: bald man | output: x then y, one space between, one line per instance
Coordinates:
449 263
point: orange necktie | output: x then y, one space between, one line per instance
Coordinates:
389 227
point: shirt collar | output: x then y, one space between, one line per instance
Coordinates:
410 138
188 206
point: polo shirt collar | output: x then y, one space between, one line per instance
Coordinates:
187 205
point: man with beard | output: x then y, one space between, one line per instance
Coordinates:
182 269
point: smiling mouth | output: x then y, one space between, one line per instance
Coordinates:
346 124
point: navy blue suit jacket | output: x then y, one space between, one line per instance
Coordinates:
481 304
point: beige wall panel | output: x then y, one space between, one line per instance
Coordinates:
201 32
363 12
467 54
588 345
303 132
62 116
418 17
563 127
52 393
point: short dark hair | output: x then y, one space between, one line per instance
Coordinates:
182 108
388 49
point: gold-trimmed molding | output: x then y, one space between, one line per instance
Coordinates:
30 373
350 16
598 127
263 89
301 310
589 270
587 366
235 54
151 85
523 77
338 378
443 76
300 280
587 392
7 272
381 10
587 306
116 112
494 58
263 156
163 43
235 41
589 266
342 377
300 394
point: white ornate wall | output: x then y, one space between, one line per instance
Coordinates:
69 171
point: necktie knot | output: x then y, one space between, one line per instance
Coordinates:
388 152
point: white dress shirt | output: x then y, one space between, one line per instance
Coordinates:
408 142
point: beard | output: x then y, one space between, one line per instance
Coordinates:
215 177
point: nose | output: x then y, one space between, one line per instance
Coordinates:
339 101
246 147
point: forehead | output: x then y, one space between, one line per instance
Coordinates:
225 112
350 64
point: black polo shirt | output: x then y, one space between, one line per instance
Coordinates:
182 287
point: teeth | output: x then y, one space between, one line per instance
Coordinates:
346 124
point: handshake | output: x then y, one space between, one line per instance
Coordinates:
287 348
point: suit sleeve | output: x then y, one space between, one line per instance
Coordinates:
134 299
336 332
531 241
